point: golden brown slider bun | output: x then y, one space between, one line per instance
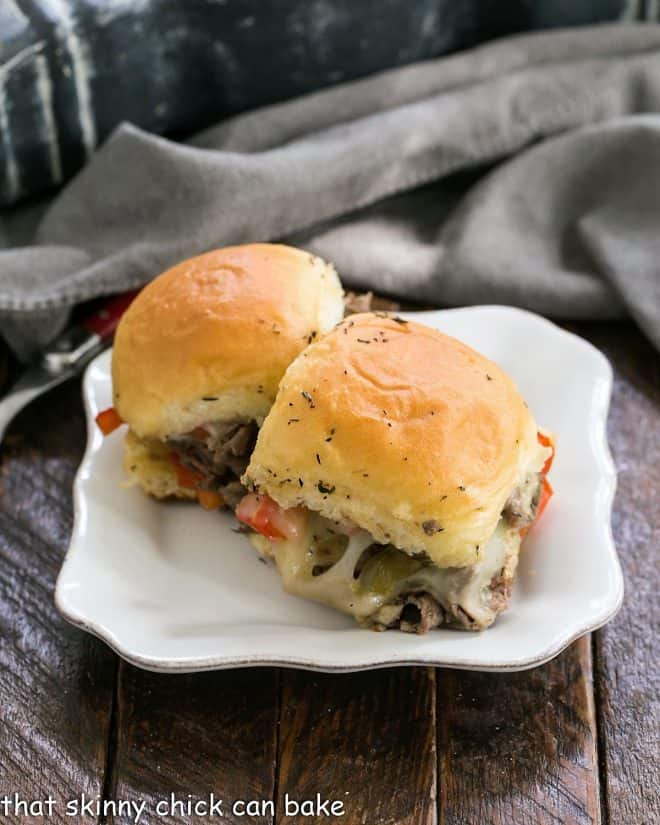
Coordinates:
210 339
402 430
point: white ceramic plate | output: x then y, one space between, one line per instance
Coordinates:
172 588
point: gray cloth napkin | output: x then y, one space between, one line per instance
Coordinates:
385 177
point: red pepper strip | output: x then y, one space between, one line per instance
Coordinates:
210 499
108 420
185 477
546 494
544 441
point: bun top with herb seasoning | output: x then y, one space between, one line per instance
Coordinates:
210 339
400 430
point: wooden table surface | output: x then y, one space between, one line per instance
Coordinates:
573 741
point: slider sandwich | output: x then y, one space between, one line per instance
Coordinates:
197 359
396 476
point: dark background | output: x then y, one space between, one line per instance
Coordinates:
172 67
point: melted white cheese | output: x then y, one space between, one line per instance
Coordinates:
466 587
336 586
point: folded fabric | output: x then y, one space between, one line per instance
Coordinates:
565 224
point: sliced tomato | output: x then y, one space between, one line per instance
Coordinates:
546 441
210 499
185 477
265 516
108 420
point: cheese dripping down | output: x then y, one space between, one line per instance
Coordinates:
386 574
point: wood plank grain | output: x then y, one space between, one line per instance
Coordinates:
627 651
367 739
56 683
192 736
519 748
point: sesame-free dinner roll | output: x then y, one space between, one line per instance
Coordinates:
418 455
198 357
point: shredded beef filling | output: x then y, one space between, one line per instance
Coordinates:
520 508
219 453
419 611
420 614
357 302
500 592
